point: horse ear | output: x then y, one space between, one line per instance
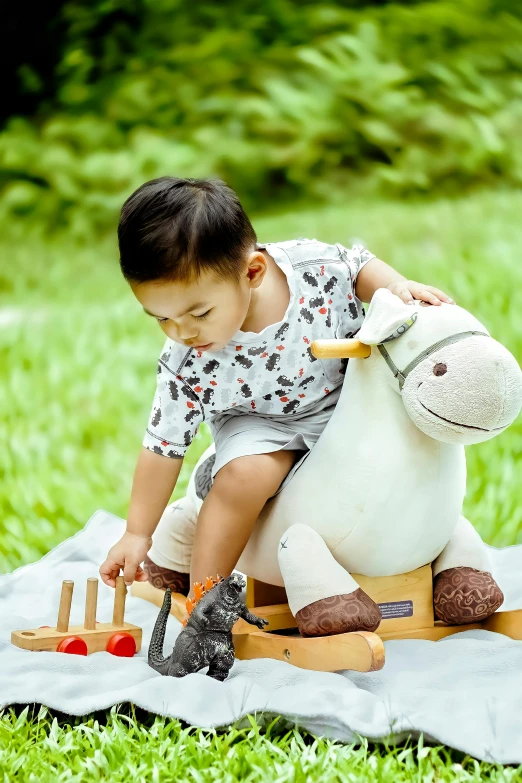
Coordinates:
388 317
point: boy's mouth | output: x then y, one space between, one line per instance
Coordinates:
202 347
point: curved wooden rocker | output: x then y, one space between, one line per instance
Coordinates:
406 603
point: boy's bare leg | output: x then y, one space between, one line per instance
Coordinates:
227 516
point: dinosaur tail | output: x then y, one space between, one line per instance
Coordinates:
156 659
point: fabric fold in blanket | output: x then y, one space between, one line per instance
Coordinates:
463 691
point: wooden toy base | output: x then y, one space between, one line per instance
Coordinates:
47 639
406 602
119 638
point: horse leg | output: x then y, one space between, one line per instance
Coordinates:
464 590
167 563
322 595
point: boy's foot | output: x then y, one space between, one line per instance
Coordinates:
163 578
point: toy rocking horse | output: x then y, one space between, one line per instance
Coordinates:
367 542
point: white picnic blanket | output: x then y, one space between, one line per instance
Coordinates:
463 691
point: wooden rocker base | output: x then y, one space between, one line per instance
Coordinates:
406 603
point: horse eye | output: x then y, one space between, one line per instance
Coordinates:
440 369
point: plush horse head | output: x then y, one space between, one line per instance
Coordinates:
458 384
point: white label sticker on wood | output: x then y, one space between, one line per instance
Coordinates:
396 609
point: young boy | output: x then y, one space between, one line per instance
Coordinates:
239 317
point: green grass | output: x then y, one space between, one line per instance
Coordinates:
122 747
78 361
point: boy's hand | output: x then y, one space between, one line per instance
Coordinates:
408 290
126 554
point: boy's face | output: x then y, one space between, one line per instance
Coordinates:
204 314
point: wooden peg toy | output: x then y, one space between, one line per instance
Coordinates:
118 637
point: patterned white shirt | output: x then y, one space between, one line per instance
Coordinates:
271 373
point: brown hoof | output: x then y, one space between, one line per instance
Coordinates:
163 577
464 595
339 614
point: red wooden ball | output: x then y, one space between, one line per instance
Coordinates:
74 645
122 644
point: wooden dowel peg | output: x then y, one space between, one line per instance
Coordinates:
119 601
65 606
91 602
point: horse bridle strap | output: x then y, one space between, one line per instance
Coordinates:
401 375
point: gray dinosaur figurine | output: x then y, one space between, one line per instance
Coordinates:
206 640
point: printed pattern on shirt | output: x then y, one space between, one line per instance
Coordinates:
274 374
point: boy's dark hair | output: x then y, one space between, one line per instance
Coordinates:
174 229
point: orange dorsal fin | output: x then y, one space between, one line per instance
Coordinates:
209 583
199 591
190 603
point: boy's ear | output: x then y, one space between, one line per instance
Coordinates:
256 268
388 317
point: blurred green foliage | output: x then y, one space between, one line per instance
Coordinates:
78 358
285 100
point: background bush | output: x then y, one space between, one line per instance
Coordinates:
285 100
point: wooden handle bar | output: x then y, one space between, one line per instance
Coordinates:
340 349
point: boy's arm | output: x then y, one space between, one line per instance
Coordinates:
154 480
377 274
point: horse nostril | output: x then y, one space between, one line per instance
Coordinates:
440 369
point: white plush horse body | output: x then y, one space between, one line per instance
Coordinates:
381 492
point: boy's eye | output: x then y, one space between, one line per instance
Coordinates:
203 315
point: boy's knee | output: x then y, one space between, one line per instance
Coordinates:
255 471
239 472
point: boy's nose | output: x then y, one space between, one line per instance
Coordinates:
178 333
